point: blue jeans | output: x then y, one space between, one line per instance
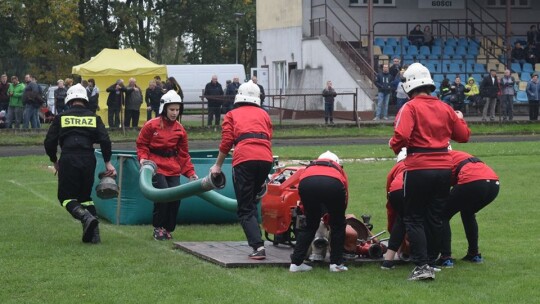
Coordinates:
30 117
382 105
328 111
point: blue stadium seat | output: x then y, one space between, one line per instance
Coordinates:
433 57
479 68
437 41
464 78
379 41
473 51
449 50
477 78
438 77
431 67
408 57
424 50
446 57
400 50
522 97
405 41
391 41
515 67
454 68
469 57
436 50
450 42
469 67
412 50
408 61
524 76
421 57
461 51
388 50
446 62
463 42
457 61
527 67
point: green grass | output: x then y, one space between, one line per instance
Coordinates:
196 132
43 261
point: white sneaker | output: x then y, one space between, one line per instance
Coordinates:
338 268
299 268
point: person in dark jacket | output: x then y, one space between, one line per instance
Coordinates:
133 104
76 130
4 98
232 90
458 93
489 89
445 91
249 129
115 101
384 84
519 54
32 102
329 94
261 88
323 186
507 83
416 36
214 94
152 98
93 95
59 97
533 94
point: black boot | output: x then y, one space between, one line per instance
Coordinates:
96 239
88 220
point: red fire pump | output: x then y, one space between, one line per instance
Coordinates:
282 214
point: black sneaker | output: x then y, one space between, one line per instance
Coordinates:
423 272
387 265
259 254
445 262
473 258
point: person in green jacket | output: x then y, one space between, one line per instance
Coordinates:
15 108
472 93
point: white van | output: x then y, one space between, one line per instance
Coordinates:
194 77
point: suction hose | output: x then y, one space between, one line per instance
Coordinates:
201 187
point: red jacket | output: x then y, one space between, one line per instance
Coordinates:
394 182
335 172
164 135
426 122
244 120
470 172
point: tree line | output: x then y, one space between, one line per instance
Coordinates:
47 37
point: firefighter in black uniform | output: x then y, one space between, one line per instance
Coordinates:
76 130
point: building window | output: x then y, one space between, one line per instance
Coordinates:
391 3
513 3
280 76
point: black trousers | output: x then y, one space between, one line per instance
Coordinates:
468 199
214 112
131 118
76 176
114 117
533 109
426 192
318 193
248 178
165 214
397 234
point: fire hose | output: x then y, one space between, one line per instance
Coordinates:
202 187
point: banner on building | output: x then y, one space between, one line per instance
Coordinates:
444 4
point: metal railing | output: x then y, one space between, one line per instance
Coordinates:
321 27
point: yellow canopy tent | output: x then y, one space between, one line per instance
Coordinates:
110 65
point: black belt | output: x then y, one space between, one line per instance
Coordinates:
250 135
466 161
164 153
425 150
323 163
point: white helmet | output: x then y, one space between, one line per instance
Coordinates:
248 92
401 155
417 76
77 92
170 97
331 156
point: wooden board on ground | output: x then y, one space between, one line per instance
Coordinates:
235 254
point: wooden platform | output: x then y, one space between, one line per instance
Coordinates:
235 254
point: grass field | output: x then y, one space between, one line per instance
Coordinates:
43 261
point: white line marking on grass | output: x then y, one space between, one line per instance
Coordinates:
39 195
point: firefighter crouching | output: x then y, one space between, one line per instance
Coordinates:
76 130
323 186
